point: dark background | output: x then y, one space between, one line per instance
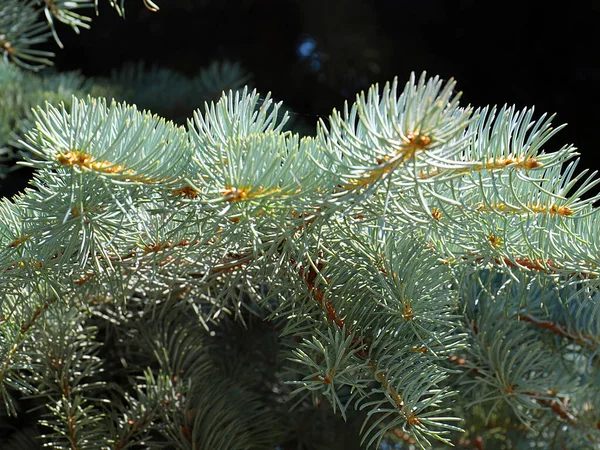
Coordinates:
524 53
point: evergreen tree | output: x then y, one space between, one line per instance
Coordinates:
415 274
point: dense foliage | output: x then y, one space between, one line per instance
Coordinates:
415 273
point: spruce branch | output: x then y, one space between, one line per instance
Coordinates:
19 30
533 385
22 26
410 234
64 11
113 140
65 371
354 317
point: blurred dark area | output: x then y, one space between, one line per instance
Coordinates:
315 54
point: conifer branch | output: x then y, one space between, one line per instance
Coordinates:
408 235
